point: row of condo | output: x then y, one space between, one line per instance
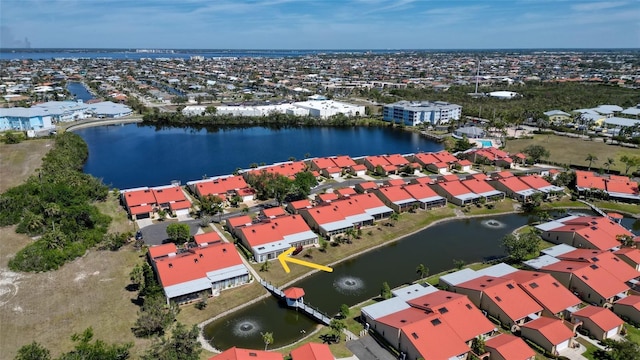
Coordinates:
585 290
308 351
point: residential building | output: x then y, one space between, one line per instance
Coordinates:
501 298
186 274
600 323
312 351
455 192
271 237
553 335
589 232
235 353
557 116
508 347
628 308
424 112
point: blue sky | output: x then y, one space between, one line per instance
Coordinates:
320 24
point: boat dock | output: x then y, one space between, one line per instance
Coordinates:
309 310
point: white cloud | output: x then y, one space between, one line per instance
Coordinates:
597 6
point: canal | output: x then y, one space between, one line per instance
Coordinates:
79 91
361 278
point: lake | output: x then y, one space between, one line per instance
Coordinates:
134 155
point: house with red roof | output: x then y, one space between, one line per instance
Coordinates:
312 351
606 260
431 338
365 186
271 213
463 165
513 187
425 196
397 198
455 192
236 222
617 187
271 237
628 308
501 298
631 256
185 275
140 202
319 164
222 186
345 192
537 182
288 169
295 206
508 347
555 299
235 353
601 323
589 282
379 163
357 170
426 159
172 198
590 232
326 198
482 188
206 239
553 335
343 214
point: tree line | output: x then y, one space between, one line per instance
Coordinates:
56 205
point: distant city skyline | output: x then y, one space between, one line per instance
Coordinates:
315 24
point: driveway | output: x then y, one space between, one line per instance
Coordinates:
367 348
156 234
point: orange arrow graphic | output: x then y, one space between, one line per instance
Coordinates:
284 258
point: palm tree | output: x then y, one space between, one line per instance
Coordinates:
591 159
422 271
267 337
608 163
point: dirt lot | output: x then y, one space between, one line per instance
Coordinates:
567 150
19 161
50 307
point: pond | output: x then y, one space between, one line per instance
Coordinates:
361 278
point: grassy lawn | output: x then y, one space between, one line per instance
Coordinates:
120 222
19 161
371 237
633 334
50 307
565 150
591 349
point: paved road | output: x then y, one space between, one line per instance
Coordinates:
156 234
367 348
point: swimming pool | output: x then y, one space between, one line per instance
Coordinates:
486 143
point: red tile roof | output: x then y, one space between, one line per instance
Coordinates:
344 161
597 278
327 197
273 212
168 195
544 289
514 184
196 263
624 186
301 204
630 253
137 210
506 294
606 260
445 156
535 181
274 230
603 318
601 232
246 354
236 221
394 193
510 347
323 163
631 300
477 186
427 158
207 238
457 311
139 197
455 188
162 250
402 318
420 191
180 205
221 185
344 192
396 159
434 339
294 293
312 351
553 330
